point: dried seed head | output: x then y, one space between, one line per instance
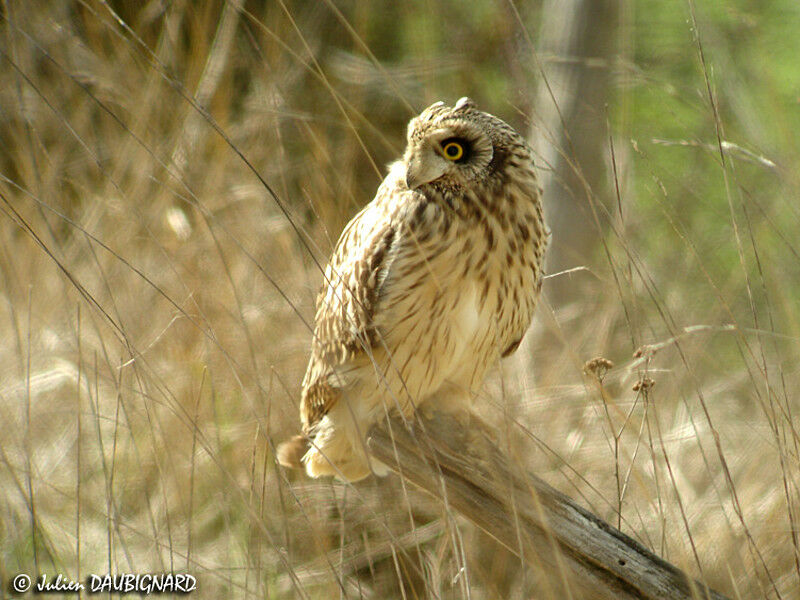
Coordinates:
598 367
643 385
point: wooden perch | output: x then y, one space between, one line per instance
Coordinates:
457 459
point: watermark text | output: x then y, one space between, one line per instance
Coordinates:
119 583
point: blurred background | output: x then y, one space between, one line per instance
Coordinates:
173 175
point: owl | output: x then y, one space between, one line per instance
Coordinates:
428 287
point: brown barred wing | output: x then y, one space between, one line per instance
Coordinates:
346 307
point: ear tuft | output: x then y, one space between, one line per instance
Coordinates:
465 102
433 107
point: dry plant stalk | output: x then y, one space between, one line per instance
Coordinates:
463 466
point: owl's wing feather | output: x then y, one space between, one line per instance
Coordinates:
351 293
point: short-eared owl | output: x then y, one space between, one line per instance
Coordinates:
429 286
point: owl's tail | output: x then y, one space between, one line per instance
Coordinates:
292 451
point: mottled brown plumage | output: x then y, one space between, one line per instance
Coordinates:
429 286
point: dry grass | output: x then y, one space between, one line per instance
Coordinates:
171 178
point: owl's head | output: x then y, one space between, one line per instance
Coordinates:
459 145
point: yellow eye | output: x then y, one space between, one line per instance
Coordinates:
453 151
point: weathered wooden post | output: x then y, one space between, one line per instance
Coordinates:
457 459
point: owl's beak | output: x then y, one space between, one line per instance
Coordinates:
420 172
412 178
